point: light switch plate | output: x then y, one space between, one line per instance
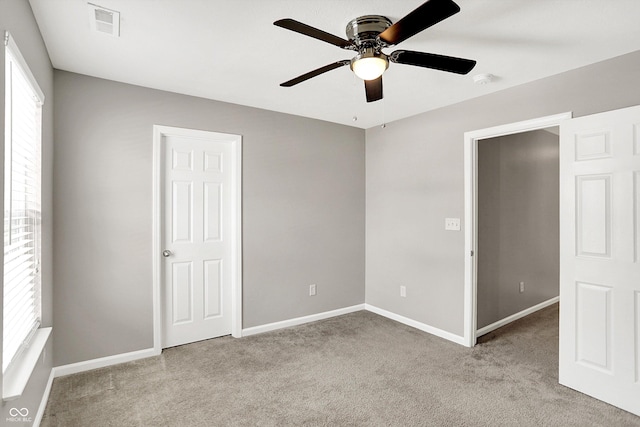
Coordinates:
452 224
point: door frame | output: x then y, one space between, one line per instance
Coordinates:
159 131
471 208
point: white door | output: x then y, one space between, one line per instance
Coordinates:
198 232
600 256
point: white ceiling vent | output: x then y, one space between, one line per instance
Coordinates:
104 20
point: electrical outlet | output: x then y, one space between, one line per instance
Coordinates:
452 224
521 287
312 290
403 291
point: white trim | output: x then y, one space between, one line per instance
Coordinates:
514 317
415 324
470 208
301 320
17 376
236 285
156 233
43 402
20 62
470 244
102 362
236 295
519 127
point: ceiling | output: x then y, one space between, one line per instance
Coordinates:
229 50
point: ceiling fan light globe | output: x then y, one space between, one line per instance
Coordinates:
370 68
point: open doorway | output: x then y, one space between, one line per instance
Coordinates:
513 304
518 260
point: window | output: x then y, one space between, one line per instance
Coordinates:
22 213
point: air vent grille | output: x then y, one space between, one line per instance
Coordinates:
104 20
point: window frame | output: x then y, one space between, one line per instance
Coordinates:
16 373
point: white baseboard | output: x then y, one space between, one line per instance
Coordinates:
516 316
415 324
74 368
102 362
43 401
301 320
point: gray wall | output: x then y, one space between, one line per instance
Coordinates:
303 211
415 180
16 16
518 224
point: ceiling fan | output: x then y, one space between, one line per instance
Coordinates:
369 34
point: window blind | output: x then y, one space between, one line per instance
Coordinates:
22 211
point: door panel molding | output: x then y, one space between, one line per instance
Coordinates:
182 289
592 146
636 216
212 288
182 226
593 332
213 163
636 310
593 215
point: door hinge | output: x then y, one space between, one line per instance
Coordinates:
471 253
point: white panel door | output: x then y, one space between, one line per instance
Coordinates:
197 240
599 256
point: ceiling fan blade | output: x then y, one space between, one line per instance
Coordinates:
314 73
373 89
307 30
431 60
430 13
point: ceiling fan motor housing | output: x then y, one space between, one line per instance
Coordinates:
364 30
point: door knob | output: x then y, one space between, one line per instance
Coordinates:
166 253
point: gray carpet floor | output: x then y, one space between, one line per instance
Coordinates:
354 370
